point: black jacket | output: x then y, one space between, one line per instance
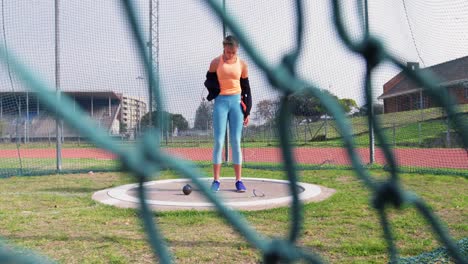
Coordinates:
212 84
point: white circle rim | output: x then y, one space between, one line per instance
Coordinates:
120 193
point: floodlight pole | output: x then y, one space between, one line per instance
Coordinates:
58 121
153 50
150 53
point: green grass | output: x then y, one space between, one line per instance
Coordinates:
56 216
408 135
48 145
41 166
401 128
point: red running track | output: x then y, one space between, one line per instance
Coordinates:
431 158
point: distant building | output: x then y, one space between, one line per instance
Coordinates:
24 117
133 109
402 94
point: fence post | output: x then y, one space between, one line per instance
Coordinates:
271 134
326 127
419 133
305 134
448 132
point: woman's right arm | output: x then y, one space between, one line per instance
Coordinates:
211 82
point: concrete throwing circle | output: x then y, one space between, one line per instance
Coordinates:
168 195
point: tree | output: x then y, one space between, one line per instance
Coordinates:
204 116
348 104
305 105
266 110
171 121
144 122
378 109
180 122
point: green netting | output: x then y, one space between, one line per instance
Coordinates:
439 255
88 51
148 158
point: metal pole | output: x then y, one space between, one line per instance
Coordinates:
58 121
157 47
448 133
326 126
154 55
131 115
421 106
150 52
366 17
226 136
370 106
139 108
224 24
20 114
26 124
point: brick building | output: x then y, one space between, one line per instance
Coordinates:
402 94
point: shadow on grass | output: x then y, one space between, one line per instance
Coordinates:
122 240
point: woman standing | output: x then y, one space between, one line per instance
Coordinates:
227 82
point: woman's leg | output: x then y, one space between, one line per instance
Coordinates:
220 115
236 120
238 171
216 171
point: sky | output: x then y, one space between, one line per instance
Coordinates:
97 52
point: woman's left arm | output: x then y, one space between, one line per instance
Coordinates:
245 70
246 94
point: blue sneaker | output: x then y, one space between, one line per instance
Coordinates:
240 186
215 186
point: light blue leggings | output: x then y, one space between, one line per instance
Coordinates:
227 108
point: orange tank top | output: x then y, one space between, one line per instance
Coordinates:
229 76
